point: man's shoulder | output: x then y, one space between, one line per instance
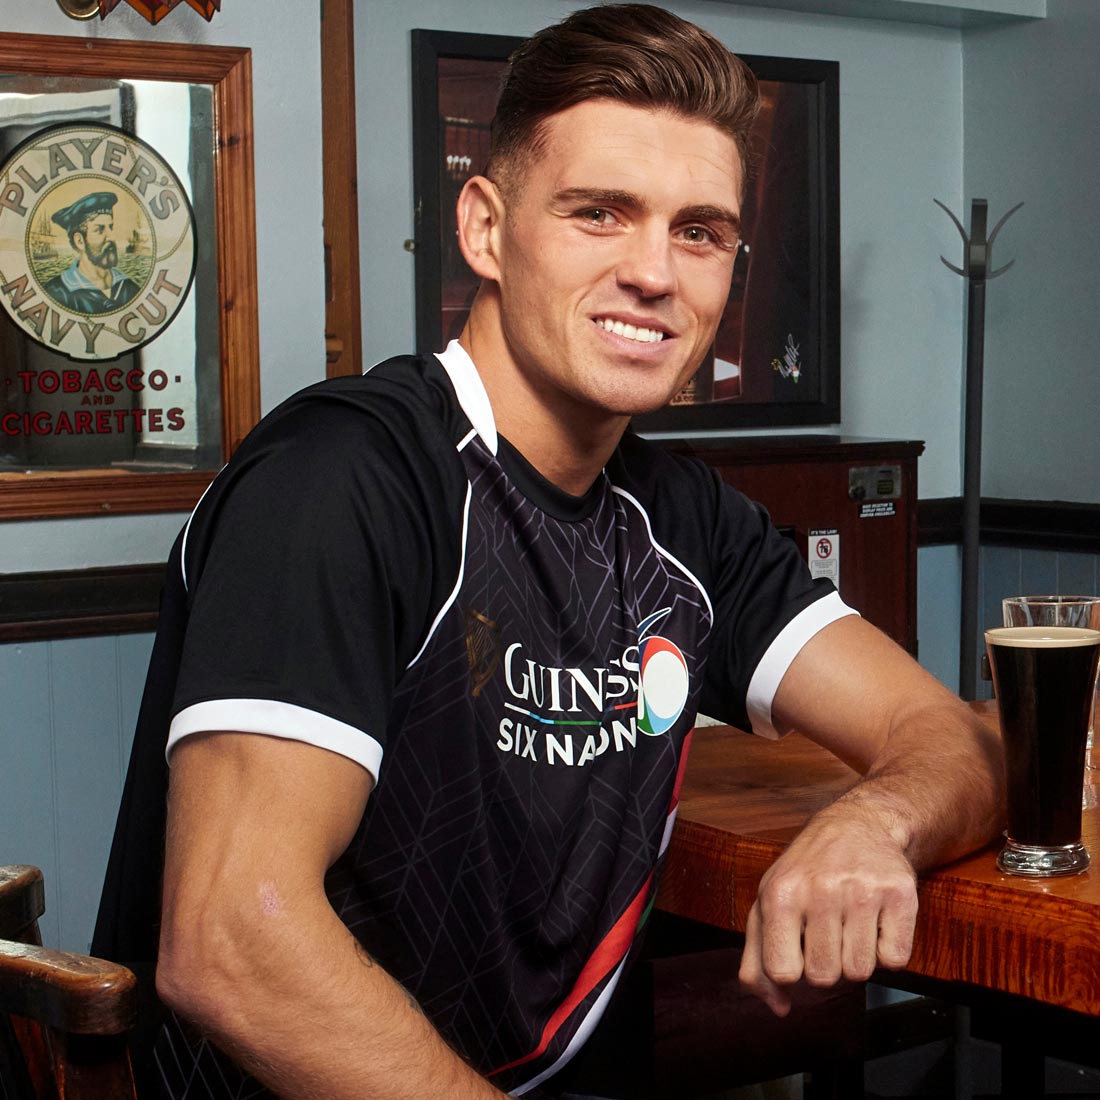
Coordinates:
414 384
354 453
399 397
400 416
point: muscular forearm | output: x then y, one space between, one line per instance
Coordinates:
312 1016
936 787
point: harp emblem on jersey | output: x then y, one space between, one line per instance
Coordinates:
663 681
482 649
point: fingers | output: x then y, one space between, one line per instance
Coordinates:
897 926
824 928
752 975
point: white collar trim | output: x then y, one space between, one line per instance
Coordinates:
470 391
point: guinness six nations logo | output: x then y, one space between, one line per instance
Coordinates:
97 241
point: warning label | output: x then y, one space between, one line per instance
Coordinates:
824 554
879 508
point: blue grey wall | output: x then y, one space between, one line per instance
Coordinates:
1030 97
66 723
939 611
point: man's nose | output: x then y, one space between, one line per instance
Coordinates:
648 262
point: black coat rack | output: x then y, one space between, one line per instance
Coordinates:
977 270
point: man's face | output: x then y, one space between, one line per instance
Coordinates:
99 240
616 256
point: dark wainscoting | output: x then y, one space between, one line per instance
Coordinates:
73 603
939 521
1027 524
123 599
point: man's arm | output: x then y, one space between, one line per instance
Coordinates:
842 899
251 949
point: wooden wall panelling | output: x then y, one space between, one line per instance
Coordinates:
86 721
77 602
998 576
68 718
1076 574
938 604
343 340
1050 524
28 800
134 651
1038 572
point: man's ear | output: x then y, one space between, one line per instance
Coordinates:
480 215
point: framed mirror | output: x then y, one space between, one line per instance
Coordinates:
129 365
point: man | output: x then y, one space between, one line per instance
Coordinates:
434 640
92 283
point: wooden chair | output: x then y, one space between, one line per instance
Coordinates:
64 1018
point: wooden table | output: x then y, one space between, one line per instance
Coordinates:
744 798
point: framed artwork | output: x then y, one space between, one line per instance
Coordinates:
776 356
128 321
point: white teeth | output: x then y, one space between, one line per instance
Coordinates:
631 332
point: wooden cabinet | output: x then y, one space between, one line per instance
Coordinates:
835 495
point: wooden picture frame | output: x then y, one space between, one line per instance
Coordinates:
226 72
788 363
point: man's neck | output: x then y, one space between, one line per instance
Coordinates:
568 447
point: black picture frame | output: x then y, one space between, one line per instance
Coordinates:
783 317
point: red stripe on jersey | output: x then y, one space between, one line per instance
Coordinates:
610 951
681 768
605 958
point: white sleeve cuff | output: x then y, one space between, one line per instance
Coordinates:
275 719
779 655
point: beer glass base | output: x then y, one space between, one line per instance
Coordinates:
1038 862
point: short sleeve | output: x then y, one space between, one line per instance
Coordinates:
766 607
313 568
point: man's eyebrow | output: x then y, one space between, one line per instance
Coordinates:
597 196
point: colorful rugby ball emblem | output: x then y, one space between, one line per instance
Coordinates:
662 681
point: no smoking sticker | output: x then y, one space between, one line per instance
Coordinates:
824 554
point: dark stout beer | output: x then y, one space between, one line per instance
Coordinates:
1044 679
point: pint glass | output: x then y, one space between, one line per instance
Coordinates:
1058 611
1044 679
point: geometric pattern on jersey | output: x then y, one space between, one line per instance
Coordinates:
190 1067
509 849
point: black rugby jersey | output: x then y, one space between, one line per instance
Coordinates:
378 573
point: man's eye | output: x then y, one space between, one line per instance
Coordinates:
698 234
598 216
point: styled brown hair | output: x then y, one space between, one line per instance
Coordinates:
635 54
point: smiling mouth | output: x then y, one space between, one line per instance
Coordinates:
631 332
